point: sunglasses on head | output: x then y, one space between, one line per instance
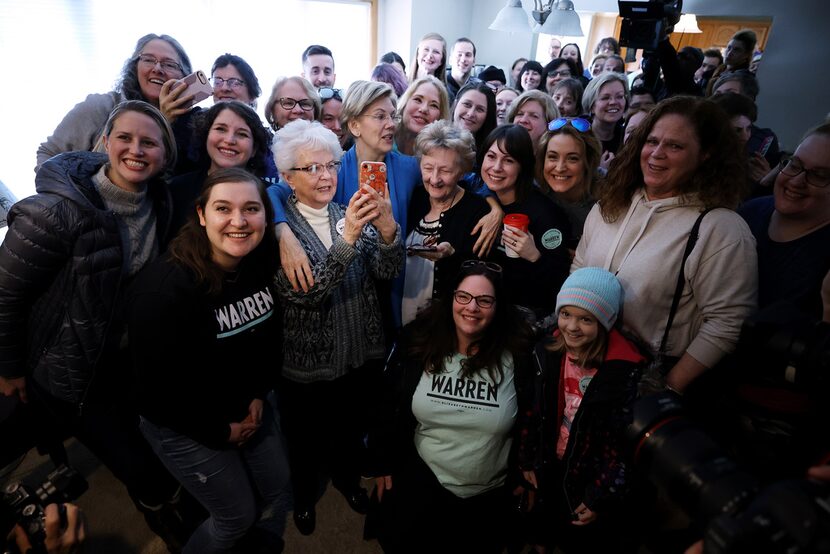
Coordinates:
328 92
495 268
578 123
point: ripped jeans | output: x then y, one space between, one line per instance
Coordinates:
240 487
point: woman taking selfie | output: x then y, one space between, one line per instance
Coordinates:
151 74
334 336
452 390
187 327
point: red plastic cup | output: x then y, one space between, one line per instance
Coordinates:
515 221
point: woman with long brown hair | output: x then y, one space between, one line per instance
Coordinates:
666 207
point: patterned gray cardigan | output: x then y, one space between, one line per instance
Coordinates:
336 325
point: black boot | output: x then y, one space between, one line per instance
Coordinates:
175 520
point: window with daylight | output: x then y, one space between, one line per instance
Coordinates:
62 50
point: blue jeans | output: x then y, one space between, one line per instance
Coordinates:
236 485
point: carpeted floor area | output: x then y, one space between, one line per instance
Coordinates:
115 527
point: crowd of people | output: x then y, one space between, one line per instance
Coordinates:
228 313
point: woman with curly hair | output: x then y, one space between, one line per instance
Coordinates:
150 74
678 177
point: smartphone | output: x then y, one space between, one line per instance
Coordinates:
197 85
415 248
374 175
765 145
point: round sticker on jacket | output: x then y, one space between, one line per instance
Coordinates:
340 226
552 239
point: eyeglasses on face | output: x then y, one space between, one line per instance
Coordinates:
166 64
792 167
581 125
317 169
328 92
484 301
562 73
233 82
288 103
382 118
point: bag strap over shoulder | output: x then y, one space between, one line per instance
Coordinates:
681 278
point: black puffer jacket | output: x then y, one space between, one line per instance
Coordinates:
61 271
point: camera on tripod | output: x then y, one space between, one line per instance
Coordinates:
26 504
739 516
645 24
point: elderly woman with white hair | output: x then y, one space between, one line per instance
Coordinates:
333 335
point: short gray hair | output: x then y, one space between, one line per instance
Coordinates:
443 134
545 100
360 95
589 97
300 135
310 91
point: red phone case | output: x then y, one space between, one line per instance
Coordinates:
373 174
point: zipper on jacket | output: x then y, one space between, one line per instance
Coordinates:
574 432
119 224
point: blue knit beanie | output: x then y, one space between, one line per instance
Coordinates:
595 290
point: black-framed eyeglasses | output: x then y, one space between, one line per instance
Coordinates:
561 73
288 103
792 167
484 301
326 93
166 64
578 123
495 268
314 169
233 82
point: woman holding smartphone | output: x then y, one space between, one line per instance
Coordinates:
369 113
206 306
152 74
441 218
334 337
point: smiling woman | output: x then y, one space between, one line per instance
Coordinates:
334 339
227 135
149 74
683 161
96 220
204 421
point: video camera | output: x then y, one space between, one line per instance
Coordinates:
25 505
737 514
645 24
